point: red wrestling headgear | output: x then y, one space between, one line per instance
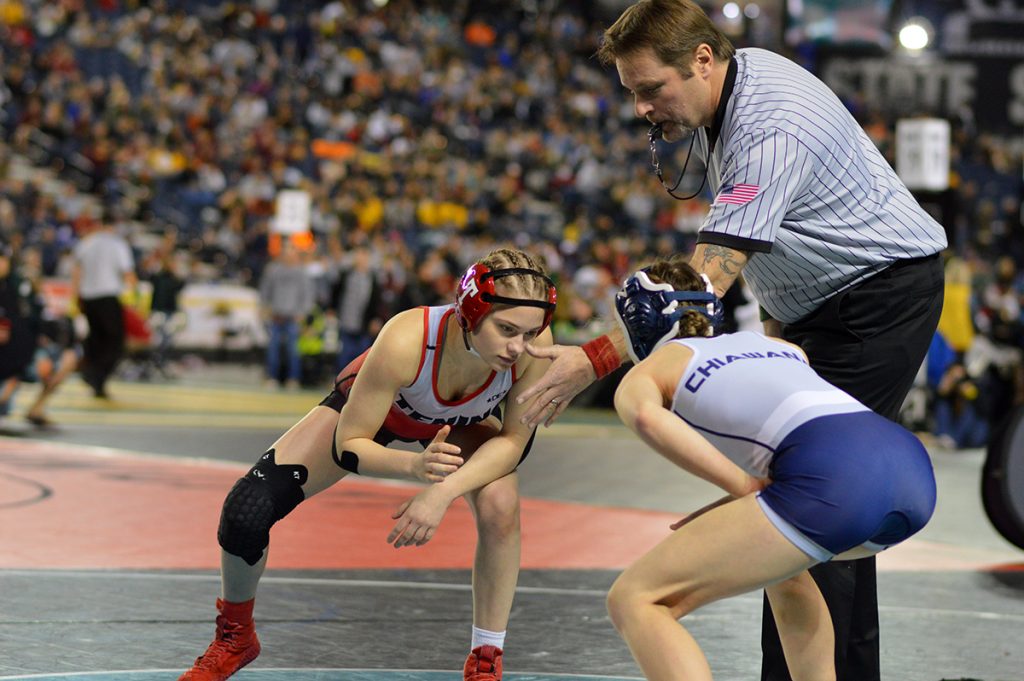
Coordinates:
475 295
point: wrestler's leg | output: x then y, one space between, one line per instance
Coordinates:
727 551
305 450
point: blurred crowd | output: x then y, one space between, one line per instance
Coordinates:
426 133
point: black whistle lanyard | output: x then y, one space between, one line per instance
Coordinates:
653 136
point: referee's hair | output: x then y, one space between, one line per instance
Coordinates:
674 29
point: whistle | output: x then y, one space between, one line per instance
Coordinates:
655 132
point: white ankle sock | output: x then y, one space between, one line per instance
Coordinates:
482 637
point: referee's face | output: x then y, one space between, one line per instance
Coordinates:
662 95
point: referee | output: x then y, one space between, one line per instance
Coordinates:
841 258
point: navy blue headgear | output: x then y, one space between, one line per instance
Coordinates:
649 313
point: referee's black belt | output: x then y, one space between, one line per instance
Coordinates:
909 262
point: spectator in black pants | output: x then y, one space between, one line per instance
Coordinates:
103 267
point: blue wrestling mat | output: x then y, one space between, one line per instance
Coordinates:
307 675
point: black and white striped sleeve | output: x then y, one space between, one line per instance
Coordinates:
761 181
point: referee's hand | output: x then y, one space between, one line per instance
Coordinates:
570 372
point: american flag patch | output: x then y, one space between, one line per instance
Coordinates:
737 194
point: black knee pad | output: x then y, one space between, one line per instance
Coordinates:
335 401
266 494
339 396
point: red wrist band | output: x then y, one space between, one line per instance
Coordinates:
602 354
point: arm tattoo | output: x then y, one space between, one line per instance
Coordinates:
727 262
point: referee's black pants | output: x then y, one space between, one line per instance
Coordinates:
103 347
869 340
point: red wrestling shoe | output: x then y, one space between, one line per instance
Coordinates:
234 646
483 664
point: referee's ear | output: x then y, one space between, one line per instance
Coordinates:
704 57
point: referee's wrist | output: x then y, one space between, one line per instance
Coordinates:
602 355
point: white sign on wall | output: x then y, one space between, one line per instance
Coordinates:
292 211
922 153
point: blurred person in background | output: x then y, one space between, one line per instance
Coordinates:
959 403
356 299
55 359
164 318
103 269
956 400
287 296
1000 319
58 350
19 323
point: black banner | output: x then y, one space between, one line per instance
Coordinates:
974 65
988 89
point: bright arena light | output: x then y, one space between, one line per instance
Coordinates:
731 10
752 11
914 36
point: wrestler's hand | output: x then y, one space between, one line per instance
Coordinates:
700 511
753 485
439 459
419 517
570 372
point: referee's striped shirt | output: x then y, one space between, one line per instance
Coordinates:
802 189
